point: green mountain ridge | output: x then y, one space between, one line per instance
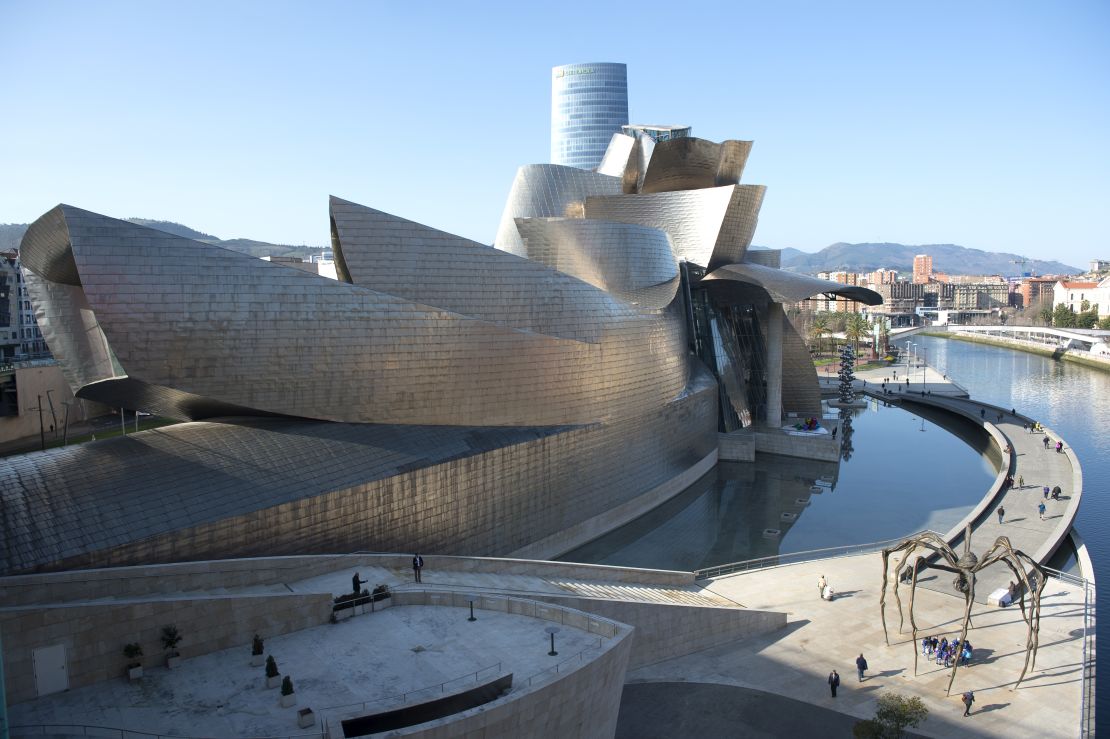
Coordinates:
950 258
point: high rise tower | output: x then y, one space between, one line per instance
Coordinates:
589 103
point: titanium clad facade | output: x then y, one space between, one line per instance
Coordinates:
250 487
548 191
589 103
442 395
174 316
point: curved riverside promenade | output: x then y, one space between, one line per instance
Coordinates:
1028 458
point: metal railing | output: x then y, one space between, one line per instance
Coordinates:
110 732
778 560
557 668
1087 700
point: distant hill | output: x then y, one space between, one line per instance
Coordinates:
12 233
950 258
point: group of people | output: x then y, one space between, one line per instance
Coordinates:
946 652
834 676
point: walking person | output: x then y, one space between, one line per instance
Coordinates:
834 682
1047 441
417 566
1059 447
356 584
1041 509
1046 492
1021 481
861 666
1001 513
968 698
822 583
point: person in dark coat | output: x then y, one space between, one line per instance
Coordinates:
356 584
968 698
861 666
834 682
417 566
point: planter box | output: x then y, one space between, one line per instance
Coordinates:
273 682
383 603
359 610
135 673
306 719
344 614
257 660
173 662
289 700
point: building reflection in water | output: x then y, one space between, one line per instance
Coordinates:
726 516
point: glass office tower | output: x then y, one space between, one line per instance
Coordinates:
589 103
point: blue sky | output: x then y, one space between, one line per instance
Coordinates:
985 124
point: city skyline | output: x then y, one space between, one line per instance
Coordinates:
975 126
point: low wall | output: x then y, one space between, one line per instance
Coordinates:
824 449
665 630
145 581
94 635
738 446
582 533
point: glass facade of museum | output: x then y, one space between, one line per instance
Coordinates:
589 103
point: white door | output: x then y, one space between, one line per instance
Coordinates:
51 675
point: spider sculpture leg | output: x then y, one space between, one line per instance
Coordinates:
970 595
913 624
927 540
1017 560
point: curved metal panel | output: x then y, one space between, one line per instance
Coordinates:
215 324
801 392
701 223
615 257
689 163
392 255
548 191
788 287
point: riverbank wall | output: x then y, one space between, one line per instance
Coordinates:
1025 346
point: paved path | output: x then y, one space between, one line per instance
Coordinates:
821 636
1039 467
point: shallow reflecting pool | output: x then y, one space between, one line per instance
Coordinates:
905 473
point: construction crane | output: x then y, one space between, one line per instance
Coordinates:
1023 261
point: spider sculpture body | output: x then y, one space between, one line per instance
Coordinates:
1029 575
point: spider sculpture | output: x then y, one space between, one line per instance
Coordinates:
965 567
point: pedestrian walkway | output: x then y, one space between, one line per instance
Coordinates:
1039 467
821 636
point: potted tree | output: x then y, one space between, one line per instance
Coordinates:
134 654
257 650
288 697
273 677
171 637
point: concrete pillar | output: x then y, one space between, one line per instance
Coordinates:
775 317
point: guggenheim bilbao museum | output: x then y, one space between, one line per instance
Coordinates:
442 396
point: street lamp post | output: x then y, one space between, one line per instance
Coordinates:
924 364
553 630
